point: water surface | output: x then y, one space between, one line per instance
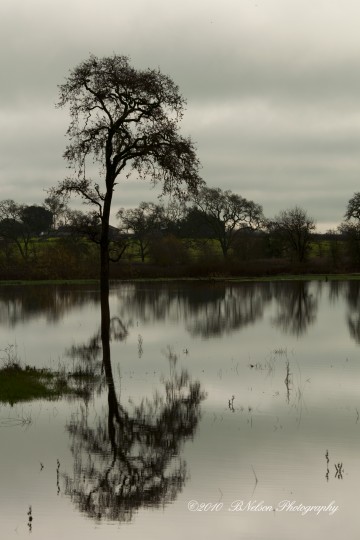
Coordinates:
246 392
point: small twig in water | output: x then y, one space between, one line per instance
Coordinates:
256 481
231 404
339 470
327 465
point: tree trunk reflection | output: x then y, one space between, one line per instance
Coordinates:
126 459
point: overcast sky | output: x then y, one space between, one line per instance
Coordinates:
272 89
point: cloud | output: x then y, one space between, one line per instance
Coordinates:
272 89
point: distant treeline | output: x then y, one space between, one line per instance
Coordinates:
218 234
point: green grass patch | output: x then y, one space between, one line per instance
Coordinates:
299 277
274 277
49 282
278 277
18 384
28 383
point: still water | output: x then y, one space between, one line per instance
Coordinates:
236 413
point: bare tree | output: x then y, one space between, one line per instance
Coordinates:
19 223
125 120
227 213
350 233
57 205
142 223
353 208
350 229
293 227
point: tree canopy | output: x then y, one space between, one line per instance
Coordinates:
36 219
20 222
126 121
143 223
227 213
58 206
293 227
353 208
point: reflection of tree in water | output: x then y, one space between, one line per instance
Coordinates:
208 310
125 459
22 303
297 307
238 307
336 290
353 316
87 359
90 353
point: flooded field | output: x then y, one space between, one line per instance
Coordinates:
234 413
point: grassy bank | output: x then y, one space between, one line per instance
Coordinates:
27 383
76 260
275 277
48 281
300 277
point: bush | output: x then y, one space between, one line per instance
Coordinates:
169 251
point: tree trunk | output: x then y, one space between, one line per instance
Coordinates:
104 285
105 318
104 244
224 247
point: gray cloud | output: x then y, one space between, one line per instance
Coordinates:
272 90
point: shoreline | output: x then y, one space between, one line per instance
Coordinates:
210 279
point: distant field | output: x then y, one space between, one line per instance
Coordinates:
62 259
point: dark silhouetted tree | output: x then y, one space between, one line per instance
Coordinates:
19 223
143 223
350 230
226 213
36 219
353 208
58 206
293 228
126 120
